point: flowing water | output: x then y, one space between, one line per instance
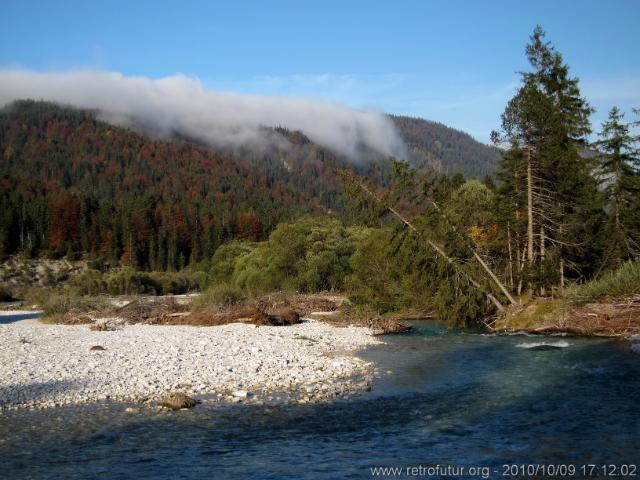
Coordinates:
455 399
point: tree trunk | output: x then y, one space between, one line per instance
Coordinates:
529 208
22 222
521 259
494 278
510 257
543 291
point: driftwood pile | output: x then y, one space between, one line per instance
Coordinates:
253 315
279 309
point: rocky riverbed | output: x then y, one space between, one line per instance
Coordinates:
49 365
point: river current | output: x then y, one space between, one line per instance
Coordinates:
443 399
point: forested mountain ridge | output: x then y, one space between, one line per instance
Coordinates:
444 149
72 184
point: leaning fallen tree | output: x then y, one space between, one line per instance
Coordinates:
359 184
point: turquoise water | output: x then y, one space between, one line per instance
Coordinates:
451 399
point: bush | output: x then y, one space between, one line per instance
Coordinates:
622 282
224 260
177 283
34 295
309 255
392 271
130 282
222 293
59 303
88 282
375 280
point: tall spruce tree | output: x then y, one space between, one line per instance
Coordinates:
528 122
619 174
544 175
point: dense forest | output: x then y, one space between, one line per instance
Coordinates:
73 185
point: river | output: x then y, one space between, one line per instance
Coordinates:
444 398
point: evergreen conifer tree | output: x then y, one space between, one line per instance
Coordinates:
547 179
619 175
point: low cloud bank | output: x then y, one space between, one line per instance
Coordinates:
182 104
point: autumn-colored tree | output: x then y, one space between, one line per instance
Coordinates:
64 222
248 227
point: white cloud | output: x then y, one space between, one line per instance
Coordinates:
183 104
465 101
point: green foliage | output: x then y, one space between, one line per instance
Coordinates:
619 176
546 126
89 282
470 211
308 255
224 260
178 283
57 302
622 282
375 280
130 282
394 270
220 294
541 274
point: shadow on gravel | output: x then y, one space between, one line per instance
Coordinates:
12 317
34 392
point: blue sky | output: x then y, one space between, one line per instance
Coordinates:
450 61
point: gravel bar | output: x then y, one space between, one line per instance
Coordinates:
50 365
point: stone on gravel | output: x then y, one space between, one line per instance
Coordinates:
176 401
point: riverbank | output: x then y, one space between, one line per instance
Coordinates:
618 317
50 365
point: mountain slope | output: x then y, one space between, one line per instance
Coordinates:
74 185
71 183
445 149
